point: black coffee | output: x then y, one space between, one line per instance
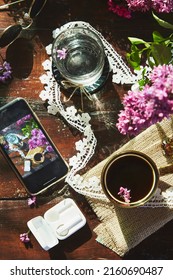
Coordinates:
131 172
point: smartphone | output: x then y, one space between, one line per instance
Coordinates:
28 148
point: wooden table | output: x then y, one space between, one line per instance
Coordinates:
26 55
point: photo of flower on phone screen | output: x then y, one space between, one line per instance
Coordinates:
27 145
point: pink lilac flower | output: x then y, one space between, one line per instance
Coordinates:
125 194
49 149
24 237
119 9
150 105
32 201
38 139
139 5
61 54
5 72
34 132
162 6
22 120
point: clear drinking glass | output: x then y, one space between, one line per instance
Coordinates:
84 55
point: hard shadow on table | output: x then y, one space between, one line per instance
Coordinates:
154 247
70 244
22 48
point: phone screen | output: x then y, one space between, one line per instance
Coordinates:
29 149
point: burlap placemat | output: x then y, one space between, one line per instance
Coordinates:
122 229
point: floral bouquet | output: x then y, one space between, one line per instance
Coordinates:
151 99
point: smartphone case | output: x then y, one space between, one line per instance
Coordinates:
58 223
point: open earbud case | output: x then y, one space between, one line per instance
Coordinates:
58 223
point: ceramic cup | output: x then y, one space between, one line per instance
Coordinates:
132 175
84 57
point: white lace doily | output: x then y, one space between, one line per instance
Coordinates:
85 148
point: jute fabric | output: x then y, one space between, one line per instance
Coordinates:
122 229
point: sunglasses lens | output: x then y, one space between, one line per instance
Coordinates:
9 35
36 7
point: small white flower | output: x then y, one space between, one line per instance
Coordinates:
52 109
47 64
73 161
55 32
85 118
79 145
44 79
49 49
71 111
44 95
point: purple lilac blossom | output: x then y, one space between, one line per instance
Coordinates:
32 201
24 237
38 139
125 194
120 10
61 54
49 149
22 120
160 6
139 5
124 9
5 72
150 105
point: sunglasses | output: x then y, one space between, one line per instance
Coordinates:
11 33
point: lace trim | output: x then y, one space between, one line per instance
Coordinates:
85 148
161 199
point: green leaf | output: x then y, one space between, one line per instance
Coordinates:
157 37
136 41
34 124
134 59
134 64
163 23
161 54
135 53
134 49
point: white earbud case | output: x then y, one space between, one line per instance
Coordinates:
59 222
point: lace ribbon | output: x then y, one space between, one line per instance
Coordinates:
85 148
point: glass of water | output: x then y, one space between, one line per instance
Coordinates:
82 55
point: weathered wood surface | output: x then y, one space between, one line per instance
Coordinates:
26 55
